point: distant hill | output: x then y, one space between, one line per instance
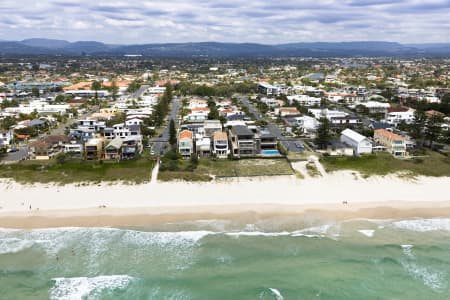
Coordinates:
38 46
46 43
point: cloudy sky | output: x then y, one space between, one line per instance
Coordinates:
262 21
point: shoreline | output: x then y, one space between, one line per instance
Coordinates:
246 199
134 217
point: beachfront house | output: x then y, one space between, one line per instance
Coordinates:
243 141
186 144
359 143
268 141
93 149
394 143
48 146
203 146
74 148
131 146
113 150
220 145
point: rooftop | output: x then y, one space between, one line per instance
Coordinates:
220 135
353 135
388 134
241 130
185 134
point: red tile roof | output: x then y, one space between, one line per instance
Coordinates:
185 134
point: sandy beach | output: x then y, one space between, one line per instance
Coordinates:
388 197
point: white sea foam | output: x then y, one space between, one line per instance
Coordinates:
431 278
53 240
407 250
14 245
367 232
276 293
313 232
424 225
78 288
257 233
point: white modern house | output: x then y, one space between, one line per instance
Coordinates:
269 89
271 102
134 121
327 113
307 123
5 138
304 100
359 143
40 106
220 144
397 115
374 106
74 148
87 93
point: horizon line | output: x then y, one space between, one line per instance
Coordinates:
222 42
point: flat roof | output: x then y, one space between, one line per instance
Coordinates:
241 130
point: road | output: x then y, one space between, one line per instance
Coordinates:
16 156
140 92
289 143
161 144
251 108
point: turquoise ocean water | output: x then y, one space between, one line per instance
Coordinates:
218 259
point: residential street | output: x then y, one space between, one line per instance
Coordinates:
161 144
291 144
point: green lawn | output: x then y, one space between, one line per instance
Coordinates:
229 168
432 164
77 171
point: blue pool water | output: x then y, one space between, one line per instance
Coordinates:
270 152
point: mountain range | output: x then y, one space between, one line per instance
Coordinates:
39 46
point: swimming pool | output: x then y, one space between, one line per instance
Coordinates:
270 152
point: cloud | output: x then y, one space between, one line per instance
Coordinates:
261 21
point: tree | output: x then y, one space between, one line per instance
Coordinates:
417 128
172 133
213 112
116 119
114 90
323 133
60 98
162 107
96 86
433 128
134 86
35 92
7 123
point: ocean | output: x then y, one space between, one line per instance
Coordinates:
219 259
